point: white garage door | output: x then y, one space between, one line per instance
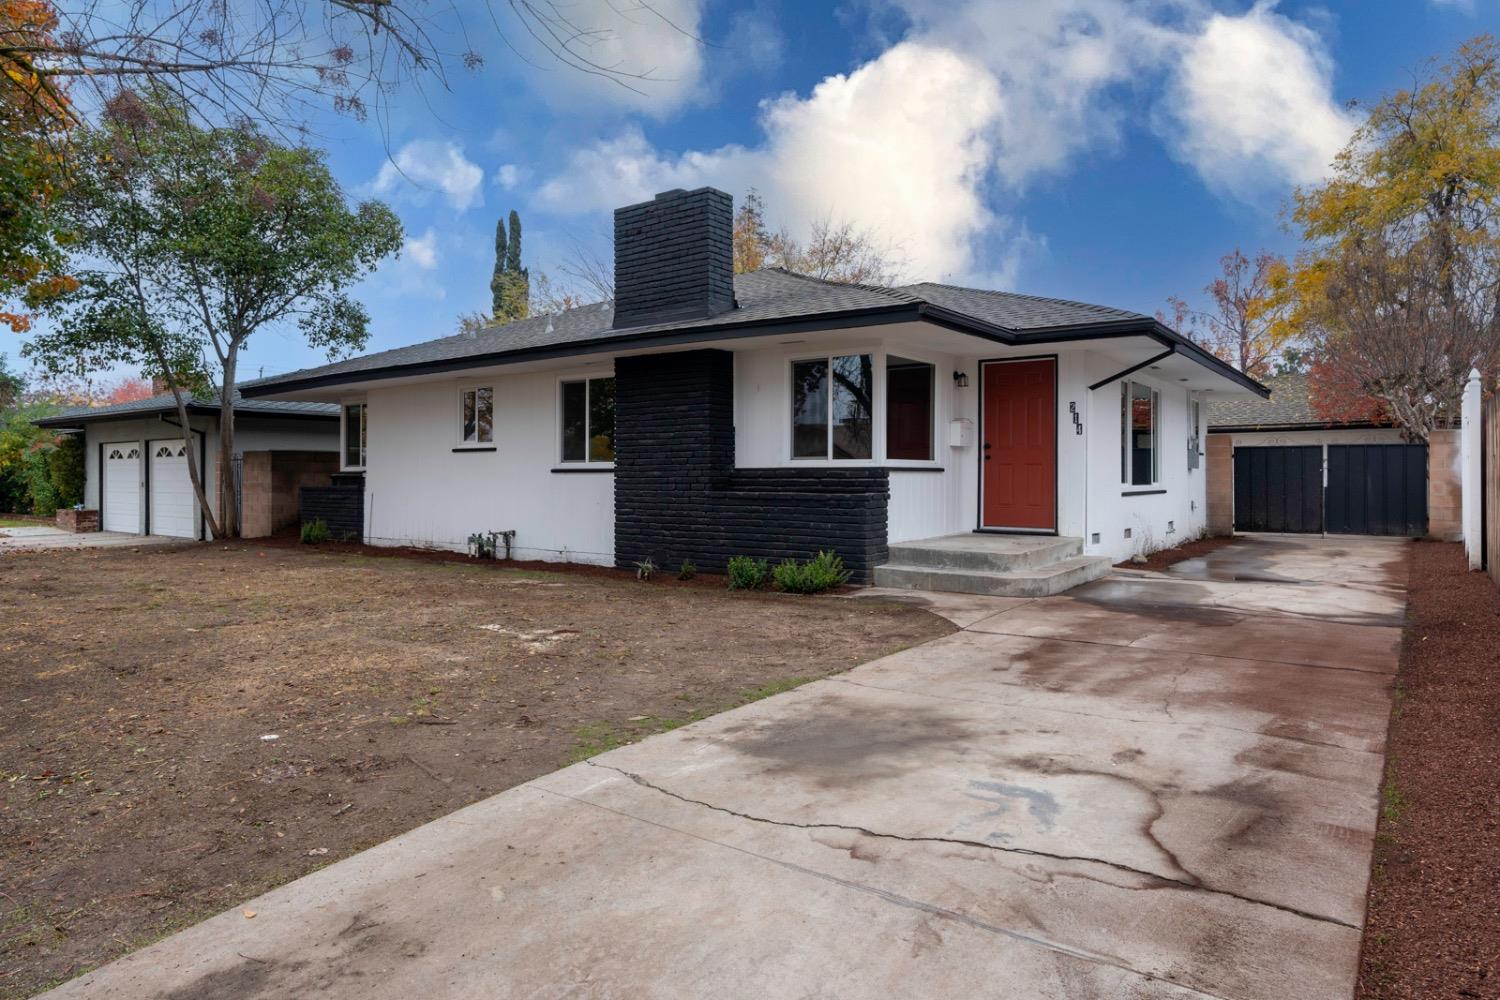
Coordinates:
122 487
173 510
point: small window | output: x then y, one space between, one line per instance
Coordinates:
477 415
164 452
1139 421
115 453
831 407
588 420
354 435
1195 433
134 453
909 398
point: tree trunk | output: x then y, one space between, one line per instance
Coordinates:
195 474
229 504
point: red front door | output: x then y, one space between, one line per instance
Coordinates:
1019 449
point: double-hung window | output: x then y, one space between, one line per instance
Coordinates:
354 435
832 407
1140 420
476 415
588 420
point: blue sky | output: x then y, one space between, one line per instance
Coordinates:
1102 150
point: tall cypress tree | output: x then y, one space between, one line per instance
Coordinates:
497 279
510 285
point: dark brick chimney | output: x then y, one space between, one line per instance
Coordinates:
674 258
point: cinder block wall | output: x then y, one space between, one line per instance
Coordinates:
1219 463
1444 487
678 495
271 484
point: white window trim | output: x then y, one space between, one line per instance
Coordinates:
344 404
1156 421
878 458
461 444
581 375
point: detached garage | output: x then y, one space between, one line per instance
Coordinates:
1274 467
136 461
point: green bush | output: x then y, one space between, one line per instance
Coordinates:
40 493
65 469
315 532
688 570
746 573
822 572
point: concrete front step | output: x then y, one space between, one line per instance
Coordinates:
985 553
1038 581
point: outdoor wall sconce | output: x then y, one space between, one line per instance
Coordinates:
960 380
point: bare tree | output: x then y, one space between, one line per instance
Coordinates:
273 61
1248 323
836 251
1404 326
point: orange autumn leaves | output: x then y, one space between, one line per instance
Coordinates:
35 117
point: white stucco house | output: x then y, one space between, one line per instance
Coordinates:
704 414
136 466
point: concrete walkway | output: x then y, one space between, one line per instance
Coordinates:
1157 786
37 538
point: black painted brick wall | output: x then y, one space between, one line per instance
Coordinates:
342 508
678 495
674 258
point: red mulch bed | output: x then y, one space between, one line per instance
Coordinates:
1433 926
1163 558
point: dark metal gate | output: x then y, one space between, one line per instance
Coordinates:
1370 489
1278 489
1377 489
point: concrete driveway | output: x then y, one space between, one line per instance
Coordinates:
39 538
1158 786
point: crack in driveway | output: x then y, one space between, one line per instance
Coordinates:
885 895
1163 881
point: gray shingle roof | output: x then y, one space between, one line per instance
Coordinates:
1017 312
165 403
765 297
1290 405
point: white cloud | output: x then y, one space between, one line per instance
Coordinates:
912 143
897 147
422 250
430 165
640 56
1252 104
508 176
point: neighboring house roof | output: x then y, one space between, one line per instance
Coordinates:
205 404
1289 407
768 300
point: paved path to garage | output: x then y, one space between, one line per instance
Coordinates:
35 538
1157 786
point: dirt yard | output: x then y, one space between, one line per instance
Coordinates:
185 728
1432 931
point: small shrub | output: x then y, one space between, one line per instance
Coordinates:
645 569
688 571
315 532
746 573
822 572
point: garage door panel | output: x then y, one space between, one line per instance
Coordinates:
121 491
173 506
